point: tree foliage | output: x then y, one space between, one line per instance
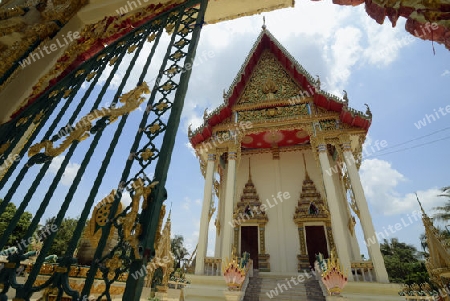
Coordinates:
178 249
64 234
19 231
402 262
444 211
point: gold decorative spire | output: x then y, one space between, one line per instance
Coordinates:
170 212
420 204
306 170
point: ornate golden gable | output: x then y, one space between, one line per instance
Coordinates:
269 81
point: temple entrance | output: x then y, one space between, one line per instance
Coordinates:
249 243
316 242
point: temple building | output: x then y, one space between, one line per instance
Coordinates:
282 157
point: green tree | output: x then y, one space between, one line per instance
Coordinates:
19 231
402 262
63 237
444 211
178 250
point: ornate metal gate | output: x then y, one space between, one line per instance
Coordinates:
111 123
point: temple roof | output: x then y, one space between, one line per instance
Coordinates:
267 42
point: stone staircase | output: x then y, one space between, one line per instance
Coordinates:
253 288
265 287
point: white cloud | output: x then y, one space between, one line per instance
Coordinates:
186 204
381 184
191 149
69 173
384 42
344 53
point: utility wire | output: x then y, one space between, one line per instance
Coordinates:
414 146
420 137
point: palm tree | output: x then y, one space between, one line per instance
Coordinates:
444 214
178 250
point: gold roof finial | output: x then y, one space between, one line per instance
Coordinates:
420 204
264 23
306 170
170 212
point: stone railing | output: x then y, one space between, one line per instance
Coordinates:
423 291
213 266
237 273
363 271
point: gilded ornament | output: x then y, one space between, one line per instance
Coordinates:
168 86
180 43
173 70
132 48
177 55
169 28
113 264
161 106
113 60
151 37
100 57
67 93
90 76
156 22
53 93
154 128
147 154
131 101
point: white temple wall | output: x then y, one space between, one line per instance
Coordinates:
282 242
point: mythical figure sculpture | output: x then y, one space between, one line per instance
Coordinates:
368 112
345 98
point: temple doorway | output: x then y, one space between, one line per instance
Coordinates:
316 242
249 243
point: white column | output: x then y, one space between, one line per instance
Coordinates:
338 226
228 230
220 217
351 239
282 239
204 219
365 218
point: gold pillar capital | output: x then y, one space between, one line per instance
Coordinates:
345 141
211 156
232 155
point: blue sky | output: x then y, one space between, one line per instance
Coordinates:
397 75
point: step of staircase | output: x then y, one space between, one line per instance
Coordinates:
267 287
253 288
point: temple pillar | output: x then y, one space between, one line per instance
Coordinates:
365 218
280 216
337 224
204 219
228 230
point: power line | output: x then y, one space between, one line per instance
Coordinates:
420 137
412 147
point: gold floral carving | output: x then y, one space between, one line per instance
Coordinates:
273 113
269 81
131 101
